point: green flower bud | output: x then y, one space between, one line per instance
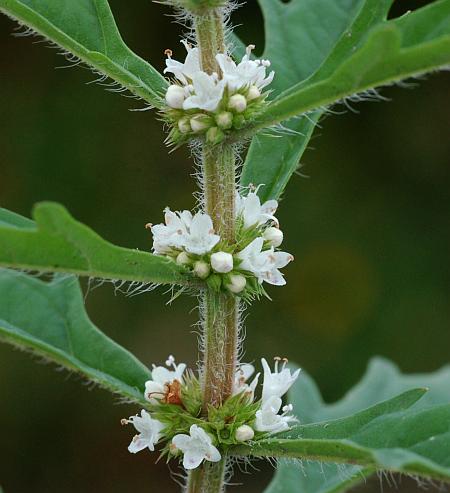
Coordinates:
202 269
239 122
214 135
183 259
236 283
184 125
214 282
201 123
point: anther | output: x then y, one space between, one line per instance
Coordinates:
148 226
168 52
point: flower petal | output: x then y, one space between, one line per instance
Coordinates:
192 459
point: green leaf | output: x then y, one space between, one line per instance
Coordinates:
382 381
412 442
58 243
393 50
273 158
49 318
326 52
86 28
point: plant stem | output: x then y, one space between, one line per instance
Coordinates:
221 313
220 310
209 30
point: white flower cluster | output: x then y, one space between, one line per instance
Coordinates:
205 101
191 241
198 445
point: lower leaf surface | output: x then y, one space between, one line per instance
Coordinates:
49 318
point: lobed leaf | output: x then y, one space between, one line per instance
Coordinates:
382 381
58 243
86 28
393 50
313 31
331 50
412 442
49 318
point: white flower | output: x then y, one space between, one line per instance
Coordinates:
276 384
252 212
200 238
196 447
185 72
246 73
244 433
175 96
268 419
208 92
222 262
149 432
171 234
264 264
274 236
156 388
243 373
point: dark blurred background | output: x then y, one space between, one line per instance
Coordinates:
367 222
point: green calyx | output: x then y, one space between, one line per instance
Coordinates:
236 111
237 281
220 423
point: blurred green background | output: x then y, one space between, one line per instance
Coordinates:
366 218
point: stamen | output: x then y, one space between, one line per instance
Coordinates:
277 360
148 226
288 408
249 49
170 360
124 421
168 53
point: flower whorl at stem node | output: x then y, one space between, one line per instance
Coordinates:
193 436
213 105
238 266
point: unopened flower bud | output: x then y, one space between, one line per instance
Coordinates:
199 123
274 236
237 103
224 120
184 126
222 262
183 259
236 283
253 93
175 97
202 269
238 121
244 433
214 282
214 135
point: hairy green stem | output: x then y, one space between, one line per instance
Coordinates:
209 30
220 310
